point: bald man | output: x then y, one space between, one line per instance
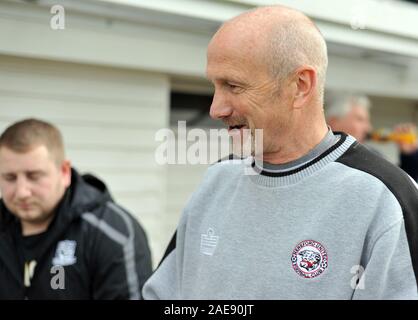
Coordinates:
319 217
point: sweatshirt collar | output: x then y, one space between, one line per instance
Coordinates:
276 178
327 142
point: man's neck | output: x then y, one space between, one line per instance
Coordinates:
296 144
31 229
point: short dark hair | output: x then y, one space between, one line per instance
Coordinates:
27 134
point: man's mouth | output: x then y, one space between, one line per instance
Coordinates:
238 131
237 127
25 206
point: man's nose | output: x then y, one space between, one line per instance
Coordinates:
219 109
22 188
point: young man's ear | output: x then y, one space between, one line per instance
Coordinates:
66 172
306 84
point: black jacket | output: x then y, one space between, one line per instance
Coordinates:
101 251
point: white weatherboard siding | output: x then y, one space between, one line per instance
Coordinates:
108 118
101 38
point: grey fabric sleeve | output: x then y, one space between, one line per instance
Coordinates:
163 285
388 273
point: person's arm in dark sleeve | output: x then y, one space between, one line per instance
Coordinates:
408 149
409 163
121 261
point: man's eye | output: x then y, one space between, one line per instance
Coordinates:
9 177
233 87
34 176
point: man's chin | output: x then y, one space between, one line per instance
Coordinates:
33 215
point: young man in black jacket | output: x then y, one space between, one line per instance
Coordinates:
61 234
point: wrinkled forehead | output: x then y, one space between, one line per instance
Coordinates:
238 38
232 53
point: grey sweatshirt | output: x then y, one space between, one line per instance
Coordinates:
343 225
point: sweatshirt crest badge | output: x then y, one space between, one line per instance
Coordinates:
65 253
309 259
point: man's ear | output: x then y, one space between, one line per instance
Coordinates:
66 172
306 85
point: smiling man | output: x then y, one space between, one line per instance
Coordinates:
61 234
321 217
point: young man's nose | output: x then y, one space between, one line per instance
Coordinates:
22 188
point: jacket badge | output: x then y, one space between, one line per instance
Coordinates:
65 253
